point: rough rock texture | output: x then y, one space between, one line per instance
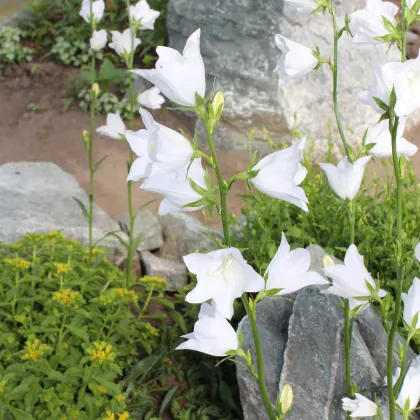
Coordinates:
37 197
239 50
173 272
303 346
183 234
147 225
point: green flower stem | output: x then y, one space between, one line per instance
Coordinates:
146 304
90 142
260 359
337 35
398 385
131 214
223 187
393 125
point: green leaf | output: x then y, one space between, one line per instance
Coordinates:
20 414
31 397
142 368
110 386
167 400
163 301
97 164
79 332
179 319
381 103
82 207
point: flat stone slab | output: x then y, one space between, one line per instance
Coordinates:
38 197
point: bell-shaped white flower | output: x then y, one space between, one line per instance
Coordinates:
151 98
417 252
124 43
212 333
223 276
280 173
412 304
405 77
360 406
176 187
289 270
349 279
99 40
143 15
98 9
345 178
368 23
301 6
296 60
114 128
179 77
160 149
410 390
381 137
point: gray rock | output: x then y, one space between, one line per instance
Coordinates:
38 197
173 272
238 49
183 234
147 225
303 346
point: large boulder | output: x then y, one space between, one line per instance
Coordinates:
38 197
302 338
238 49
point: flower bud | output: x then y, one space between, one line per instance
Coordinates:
96 90
86 136
216 108
286 399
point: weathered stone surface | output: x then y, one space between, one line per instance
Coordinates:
147 225
303 346
38 197
239 51
182 235
173 272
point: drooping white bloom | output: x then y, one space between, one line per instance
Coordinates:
381 137
288 270
417 252
176 188
142 14
367 24
301 6
296 60
98 8
98 40
349 279
179 77
280 173
404 76
222 275
412 304
345 178
212 333
410 389
122 43
160 149
360 406
114 128
151 98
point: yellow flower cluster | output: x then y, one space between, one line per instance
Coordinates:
17 262
2 385
54 234
148 331
155 282
120 397
121 416
119 292
97 251
62 268
34 350
66 297
101 352
126 293
102 389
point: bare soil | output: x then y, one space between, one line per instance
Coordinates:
48 134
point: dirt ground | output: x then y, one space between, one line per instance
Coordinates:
50 135
53 136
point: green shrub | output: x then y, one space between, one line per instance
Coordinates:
11 48
68 333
